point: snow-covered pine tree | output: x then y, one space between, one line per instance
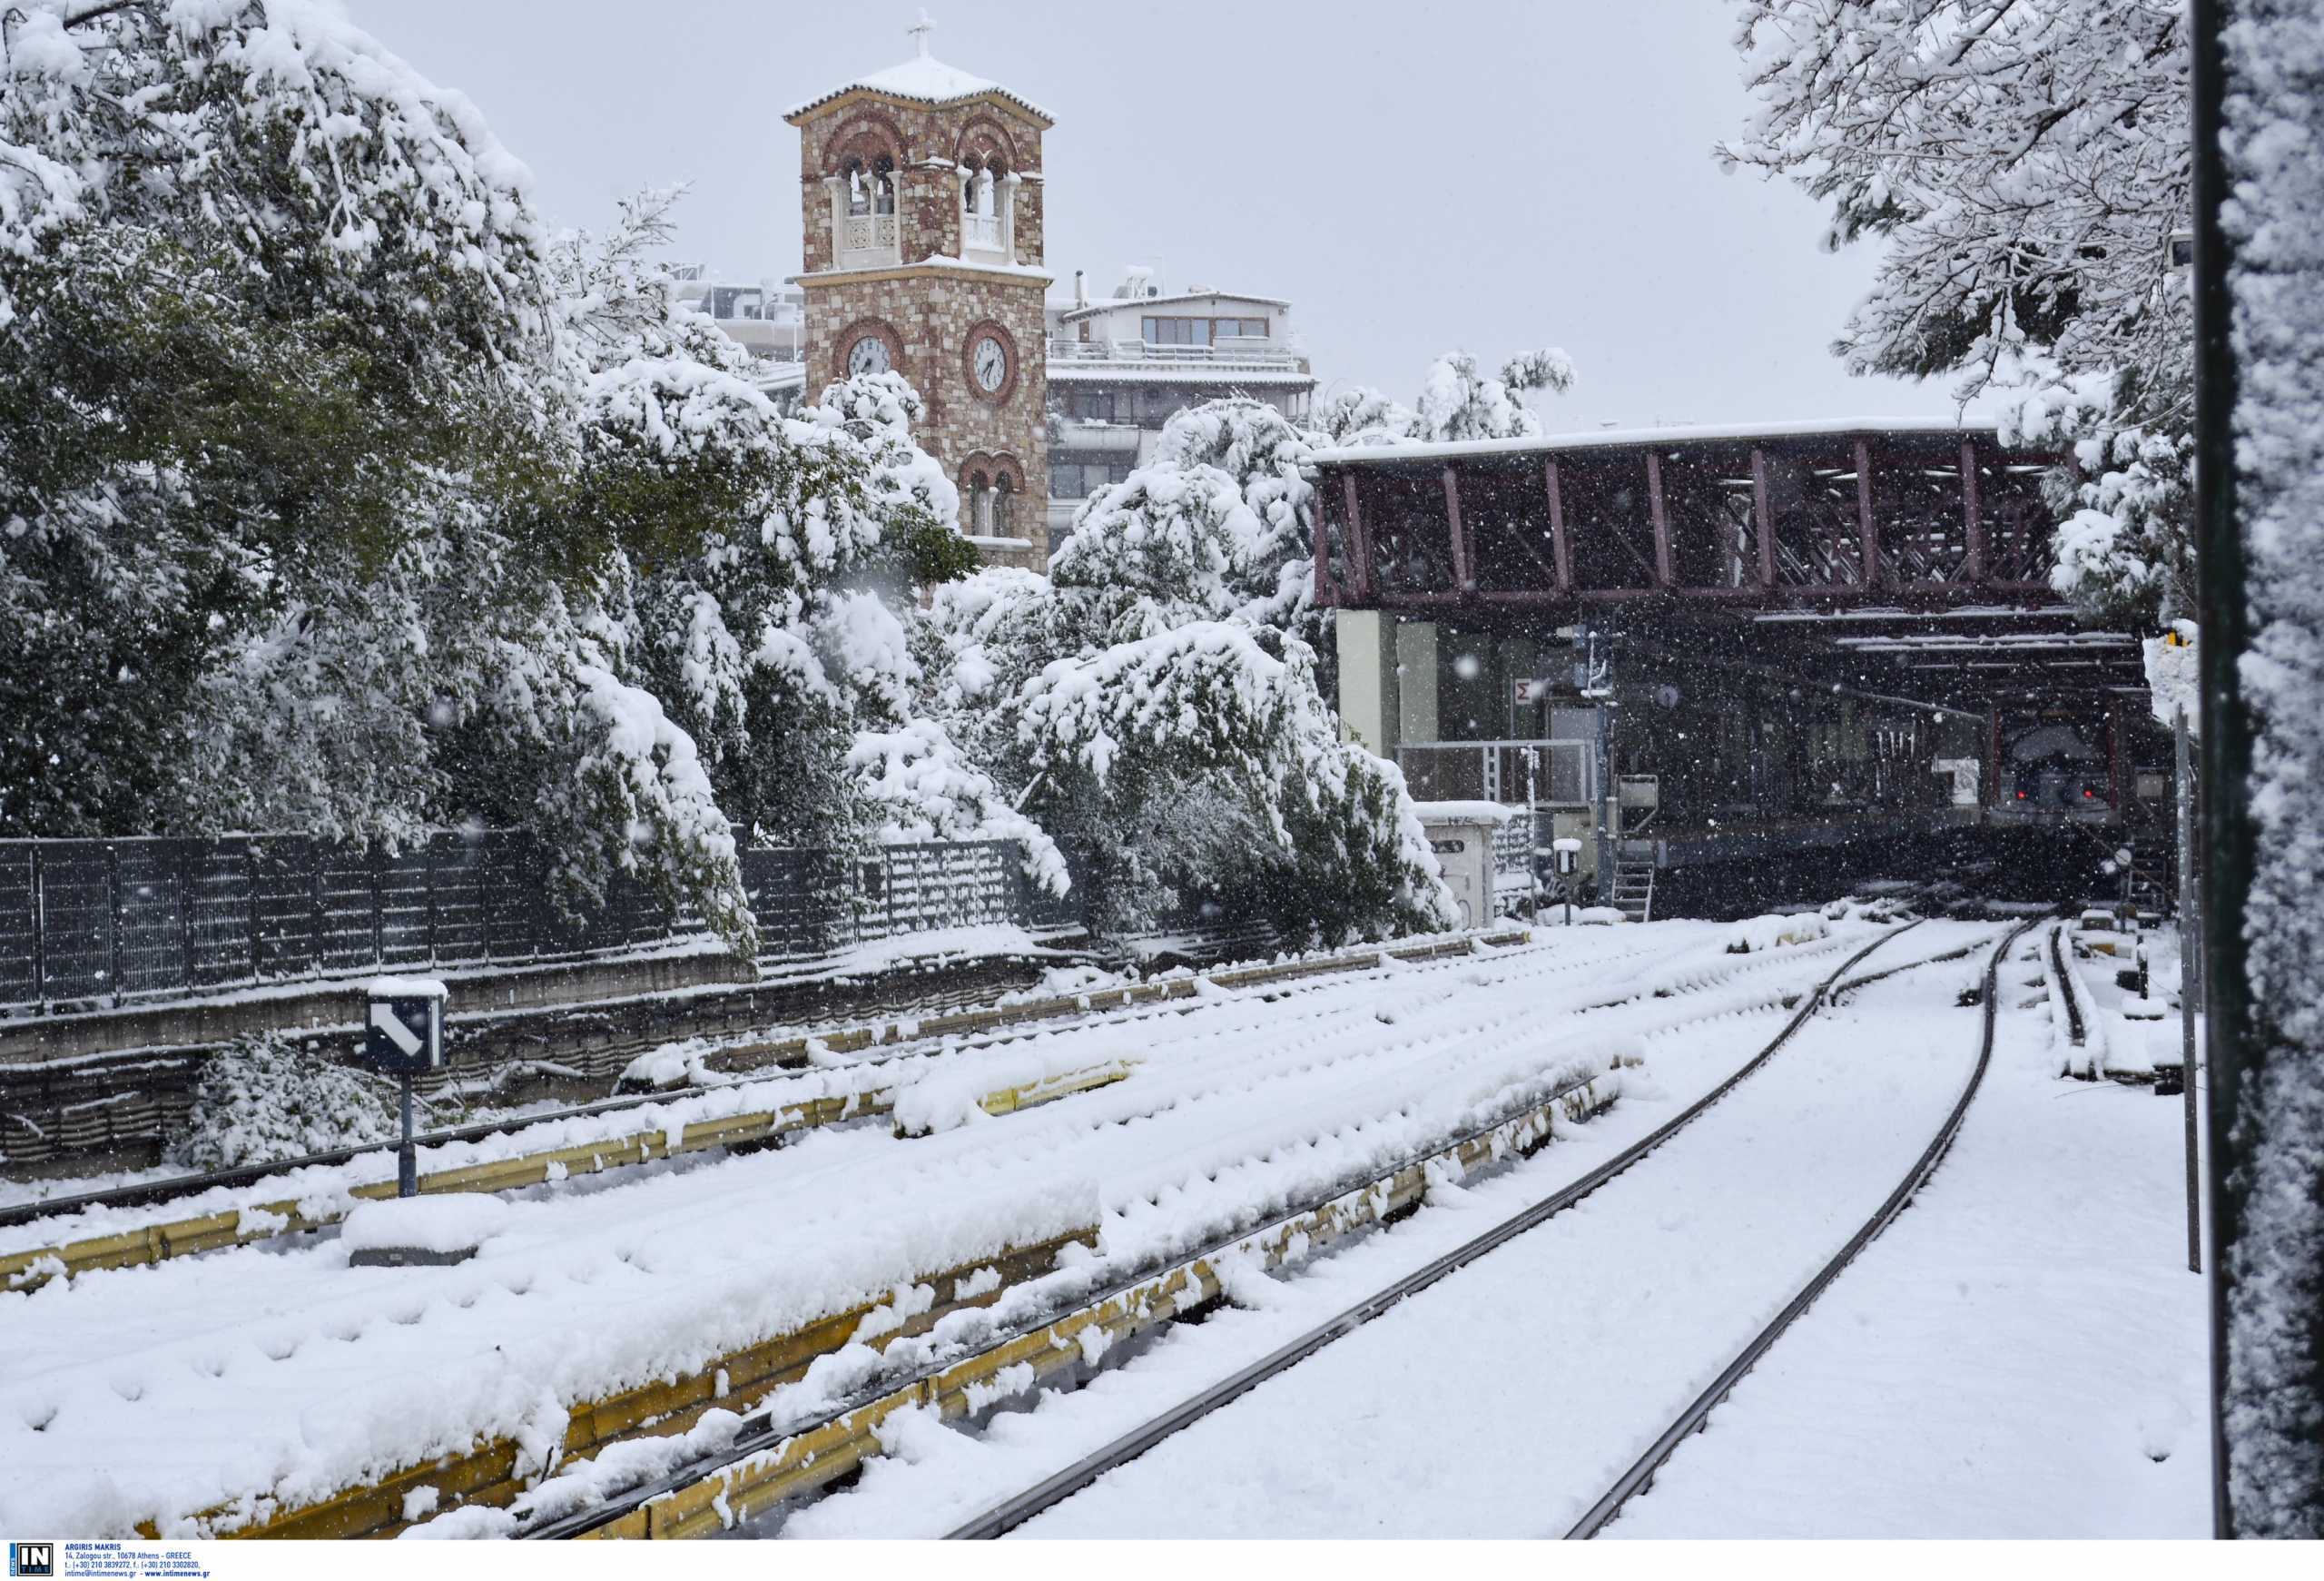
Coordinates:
1457 401
2023 165
1155 702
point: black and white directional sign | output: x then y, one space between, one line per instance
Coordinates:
405 1033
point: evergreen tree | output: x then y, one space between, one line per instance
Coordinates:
2022 164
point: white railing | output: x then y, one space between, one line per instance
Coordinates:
868 238
982 231
1252 353
1564 774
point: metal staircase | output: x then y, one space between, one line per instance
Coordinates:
1633 892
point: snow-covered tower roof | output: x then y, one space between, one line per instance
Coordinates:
922 79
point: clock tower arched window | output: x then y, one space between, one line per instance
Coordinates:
863 211
988 210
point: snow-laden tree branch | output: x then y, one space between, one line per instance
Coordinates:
2022 166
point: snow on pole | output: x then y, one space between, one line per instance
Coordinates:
2259 115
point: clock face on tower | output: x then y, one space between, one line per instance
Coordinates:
868 355
991 362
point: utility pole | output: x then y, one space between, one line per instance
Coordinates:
2225 733
2190 982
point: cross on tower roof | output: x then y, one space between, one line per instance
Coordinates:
920 30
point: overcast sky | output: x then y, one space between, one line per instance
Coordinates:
1492 176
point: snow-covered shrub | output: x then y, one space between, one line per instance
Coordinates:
263 1099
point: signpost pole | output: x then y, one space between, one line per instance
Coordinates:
407 1166
1533 835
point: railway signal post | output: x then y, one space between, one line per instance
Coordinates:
403 1035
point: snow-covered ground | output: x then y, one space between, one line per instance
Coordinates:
2007 1361
2022 1355
1504 1398
159 1392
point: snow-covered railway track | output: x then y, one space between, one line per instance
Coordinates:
2066 990
1695 1418
222 1209
1560 1302
634 1312
760 1465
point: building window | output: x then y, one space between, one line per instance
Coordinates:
1079 480
1003 512
985 222
863 211
1090 406
1188 331
979 505
1157 407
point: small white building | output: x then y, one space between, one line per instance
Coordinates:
766 318
1119 367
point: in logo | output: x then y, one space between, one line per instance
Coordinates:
31 1558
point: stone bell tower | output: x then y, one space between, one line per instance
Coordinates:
920 190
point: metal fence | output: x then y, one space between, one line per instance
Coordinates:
1563 773
111 921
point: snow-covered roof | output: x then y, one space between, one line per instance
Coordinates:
924 80
1111 303
1691 434
1463 812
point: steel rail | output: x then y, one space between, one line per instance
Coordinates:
1869 978
2062 980
753 1441
1697 1413
1001 1518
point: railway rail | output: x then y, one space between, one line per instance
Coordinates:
770 1461
2064 987
1696 1416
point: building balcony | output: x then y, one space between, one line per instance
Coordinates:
868 242
1098 438
1249 355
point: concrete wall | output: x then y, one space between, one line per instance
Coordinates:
1368 685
